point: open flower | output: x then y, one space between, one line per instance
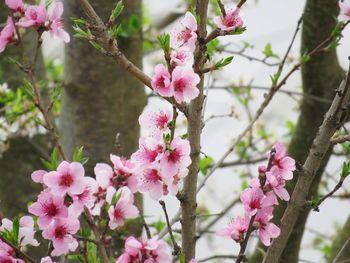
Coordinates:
230 22
184 84
161 81
61 234
186 34
26 230
67 179
284 163
158 121
7 34
15 5
266 229
236 229
148 251
122 209
34 16
254 199
47 208
55 23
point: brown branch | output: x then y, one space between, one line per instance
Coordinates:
320 146
176 247
96 231
222 8
18 252
340 139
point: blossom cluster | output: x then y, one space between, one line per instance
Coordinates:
179 80
156 167
145 251
260 198
32 16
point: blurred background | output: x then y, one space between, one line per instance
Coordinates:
99 102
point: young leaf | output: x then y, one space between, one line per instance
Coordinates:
223 62
164 42
204 164
117 10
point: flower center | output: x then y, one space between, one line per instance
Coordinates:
66 180
51 209
60 232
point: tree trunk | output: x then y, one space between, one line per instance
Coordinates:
100 100
17 163
320 77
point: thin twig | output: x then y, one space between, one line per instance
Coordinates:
335 260
176 247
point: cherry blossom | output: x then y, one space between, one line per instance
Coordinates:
124 173
161 81
46 260
284 163
344 10
55 23
7 34
266 229
61 234
186 34
26 230
179 57
123 209
67 179
147 251
184 84
230 22
236 229
15 5
87 198
159 120
34 16
47 208
38 176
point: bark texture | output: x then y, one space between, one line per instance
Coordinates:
320 77
100 99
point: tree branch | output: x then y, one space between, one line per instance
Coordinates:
320 146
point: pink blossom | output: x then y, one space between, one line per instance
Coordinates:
254 199
60 233
176 158
186 35
5 250
67 179
147 251
87 198
266 229
277 183
179 57
236 229
123 209
344 10
124 173
284 163
34 16
161 81
230 22
46 260
55 23
37 176
8 34
150 150
26 230
15 5
159 120
104 175
193 260
150 181
47 208
184 84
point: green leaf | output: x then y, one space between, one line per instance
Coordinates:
204 164
268 51
274 78
238 31
116 197
164 42
182 257
223 62
15 229
117 10
345 170
159 225
53 163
